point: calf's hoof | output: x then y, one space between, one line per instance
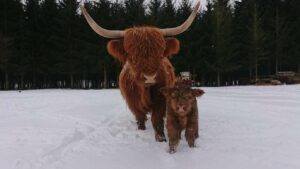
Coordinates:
172 150
192 145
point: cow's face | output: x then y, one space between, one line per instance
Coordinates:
143 50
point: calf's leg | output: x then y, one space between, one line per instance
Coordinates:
173 135
190 135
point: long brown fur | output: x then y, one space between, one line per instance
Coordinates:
144 51
179 119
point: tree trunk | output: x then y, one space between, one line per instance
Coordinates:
277 41
105 85
71 81
202 80
22 82
256 71
298 67
256 39
218 79
34 81
6 82
194 75
270 68
276 65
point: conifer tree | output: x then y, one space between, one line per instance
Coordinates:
69 41
135 12
50 39
155 12
222 59
10 13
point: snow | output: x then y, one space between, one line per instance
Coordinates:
240 127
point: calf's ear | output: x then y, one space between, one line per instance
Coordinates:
172 47
198 92
116 49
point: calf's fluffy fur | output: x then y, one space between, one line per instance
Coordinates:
182 113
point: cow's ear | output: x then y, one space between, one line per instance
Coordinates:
198 92
116 49
172 47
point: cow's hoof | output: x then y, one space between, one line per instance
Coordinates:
160 138
141 126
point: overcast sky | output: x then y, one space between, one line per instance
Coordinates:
177 2
203 2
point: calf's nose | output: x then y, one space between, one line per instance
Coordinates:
180 108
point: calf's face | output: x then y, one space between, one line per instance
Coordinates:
181 99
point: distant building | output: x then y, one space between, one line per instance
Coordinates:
185 75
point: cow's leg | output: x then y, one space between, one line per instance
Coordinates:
158 113
132 94
140 120
197 130
158 125
139 113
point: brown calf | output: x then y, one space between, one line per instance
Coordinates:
182 113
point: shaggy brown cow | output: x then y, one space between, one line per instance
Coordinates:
182 113
144 53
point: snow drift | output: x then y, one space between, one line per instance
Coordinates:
240 127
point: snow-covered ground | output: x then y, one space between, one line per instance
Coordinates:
240 128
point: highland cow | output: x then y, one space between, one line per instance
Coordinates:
182 113
144 53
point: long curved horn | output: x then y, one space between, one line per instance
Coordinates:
98 29
183 27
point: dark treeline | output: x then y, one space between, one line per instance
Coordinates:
48 44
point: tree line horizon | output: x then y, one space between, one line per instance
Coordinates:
48 44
